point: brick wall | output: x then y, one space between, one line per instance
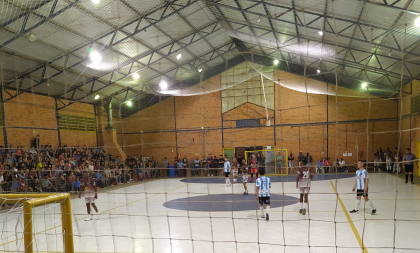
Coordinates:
298 126
29 114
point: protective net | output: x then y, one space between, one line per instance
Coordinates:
148 98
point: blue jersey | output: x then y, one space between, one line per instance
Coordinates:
227 166
361 176
263 183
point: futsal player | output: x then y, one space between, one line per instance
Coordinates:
88 187
254 167
303 183
408 165
262 192
226 168
235 168
244 170
362 182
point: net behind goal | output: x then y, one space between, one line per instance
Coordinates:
274 161
36 222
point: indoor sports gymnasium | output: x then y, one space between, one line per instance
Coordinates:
210 126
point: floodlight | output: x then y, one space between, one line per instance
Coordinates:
163 85
179 56
417 22
129 103
32 36
136 76
95 57
97 96
276 62
364 85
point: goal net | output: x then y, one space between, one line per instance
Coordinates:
149 97
36 223
273 161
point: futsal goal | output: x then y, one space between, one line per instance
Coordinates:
274 161
36 223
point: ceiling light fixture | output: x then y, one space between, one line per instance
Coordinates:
136 76
259 19
129 103
32 36
97 96
95 1
364 85
318 71
320 32
163 85
95 57
179 56
276 62
417 22
200 69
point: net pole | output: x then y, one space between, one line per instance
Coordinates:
67 224
27 231
336 127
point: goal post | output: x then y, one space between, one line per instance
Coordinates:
271 164
31 201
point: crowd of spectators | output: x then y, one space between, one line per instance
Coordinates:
48 169
58 170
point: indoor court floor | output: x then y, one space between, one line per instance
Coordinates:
200 215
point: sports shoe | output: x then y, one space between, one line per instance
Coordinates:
301 210
406 181
354 211
412 182
225 185
373 211
267 217
88 219
263 216
304 211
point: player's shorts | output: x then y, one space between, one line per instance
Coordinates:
227 174
90 200
362 193
409 167
254 170
235 173
303 190
89 197
244 177
264 200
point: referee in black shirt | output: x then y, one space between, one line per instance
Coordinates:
408 164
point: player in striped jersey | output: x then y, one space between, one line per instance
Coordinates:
362 182
263 185
303 183
227 172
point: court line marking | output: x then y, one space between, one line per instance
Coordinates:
129 203
356 233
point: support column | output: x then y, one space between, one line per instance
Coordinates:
6 145
110 139
58 123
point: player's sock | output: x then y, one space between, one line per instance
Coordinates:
301 205
357 204
262 210
305 206
252 178
371 205
267 209
406 178
411 178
